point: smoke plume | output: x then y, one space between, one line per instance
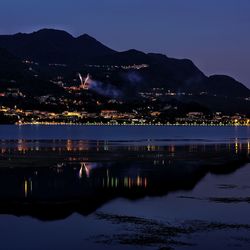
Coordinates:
104 89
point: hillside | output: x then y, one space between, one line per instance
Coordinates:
87 55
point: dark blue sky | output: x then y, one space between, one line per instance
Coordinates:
215 34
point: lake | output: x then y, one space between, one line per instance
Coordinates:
125 133
124 187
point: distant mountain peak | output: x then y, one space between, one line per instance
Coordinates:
52 33
93 44
50 30
86 36
134 51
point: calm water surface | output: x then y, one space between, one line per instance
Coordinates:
73 187
124 132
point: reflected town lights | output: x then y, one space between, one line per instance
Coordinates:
236 146
21 146
80 171
25 146
28 187
85 166
25 188
87 169
126 182
80 146
69 145
172 148
151 148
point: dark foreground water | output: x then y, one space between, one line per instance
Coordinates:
89 188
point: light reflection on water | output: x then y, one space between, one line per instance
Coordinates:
25 146
59 179
60 170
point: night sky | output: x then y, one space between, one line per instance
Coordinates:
215 34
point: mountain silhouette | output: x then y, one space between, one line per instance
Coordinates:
49 46
53 46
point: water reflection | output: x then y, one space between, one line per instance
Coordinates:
53 179
25 146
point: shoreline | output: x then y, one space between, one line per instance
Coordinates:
129 124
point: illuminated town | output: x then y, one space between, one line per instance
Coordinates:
90 102
124 125
132 88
